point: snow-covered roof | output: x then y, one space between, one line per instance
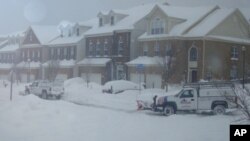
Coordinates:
27 65
9 48
210 22
65 40
18 33
3 43
62 63
147 61
45 33
6 66
94 62
91 22
133 15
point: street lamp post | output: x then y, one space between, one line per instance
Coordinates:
243 66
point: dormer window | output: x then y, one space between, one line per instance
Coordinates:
77 31
100 22
157 26
112 20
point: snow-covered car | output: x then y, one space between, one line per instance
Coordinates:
118 86
45 89
201 98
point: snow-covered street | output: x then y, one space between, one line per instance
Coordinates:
100 117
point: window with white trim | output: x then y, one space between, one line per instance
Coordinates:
145 50
98 48
91 48
233 72
120 46
157 49
157 26
106 47
234 53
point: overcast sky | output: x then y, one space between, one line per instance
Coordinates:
17 15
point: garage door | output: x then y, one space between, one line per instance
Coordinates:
93 77
24 78
62 77
153 81
135 77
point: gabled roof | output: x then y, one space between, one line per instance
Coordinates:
45 33
127 23
210 22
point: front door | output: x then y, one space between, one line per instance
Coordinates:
121 72
194 76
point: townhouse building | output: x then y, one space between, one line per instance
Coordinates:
195 43
8 54
111 42
150 43
65 51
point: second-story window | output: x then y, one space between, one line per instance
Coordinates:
234 53
61 53
72 53
106 48
91 48
23 55
157 26
145 50
98 48
120 46
112 20
65 53
157 49
68 53
168 49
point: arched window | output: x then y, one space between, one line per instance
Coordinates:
157 26
193 54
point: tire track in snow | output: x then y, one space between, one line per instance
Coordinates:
104 107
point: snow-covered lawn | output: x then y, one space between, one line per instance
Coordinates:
100 117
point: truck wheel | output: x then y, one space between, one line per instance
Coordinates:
219 110
44 95
168 110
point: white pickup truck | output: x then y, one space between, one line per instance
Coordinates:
216 99
46 89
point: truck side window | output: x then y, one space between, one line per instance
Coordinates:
187 94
